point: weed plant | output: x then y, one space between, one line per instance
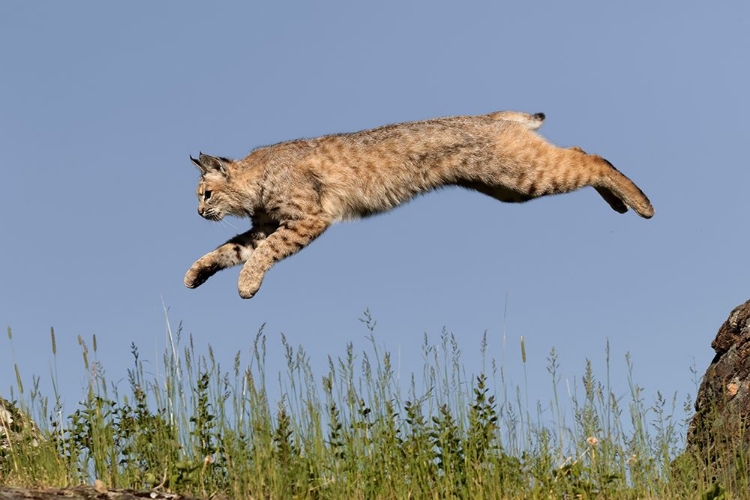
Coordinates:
353 432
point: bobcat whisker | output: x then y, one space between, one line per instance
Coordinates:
225 222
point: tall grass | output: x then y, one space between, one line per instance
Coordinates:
354 431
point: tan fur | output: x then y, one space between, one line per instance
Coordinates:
294 190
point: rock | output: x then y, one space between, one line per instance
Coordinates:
85 493
16 427
720 429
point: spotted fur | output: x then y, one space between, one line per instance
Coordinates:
293 191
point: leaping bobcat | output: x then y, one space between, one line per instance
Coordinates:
293 191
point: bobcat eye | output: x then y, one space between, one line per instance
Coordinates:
206 194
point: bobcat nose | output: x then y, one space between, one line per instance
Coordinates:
201 211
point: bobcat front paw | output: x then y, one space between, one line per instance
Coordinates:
198 274
249 284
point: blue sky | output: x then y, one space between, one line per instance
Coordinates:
101 104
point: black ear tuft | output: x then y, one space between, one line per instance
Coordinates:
198 164
207 163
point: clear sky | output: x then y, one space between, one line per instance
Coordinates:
101 103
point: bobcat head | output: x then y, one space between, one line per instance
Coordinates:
213 187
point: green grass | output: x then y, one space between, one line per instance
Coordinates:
355 432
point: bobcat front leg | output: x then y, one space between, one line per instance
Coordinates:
290 237
233 252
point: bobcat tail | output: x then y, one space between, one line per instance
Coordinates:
531 122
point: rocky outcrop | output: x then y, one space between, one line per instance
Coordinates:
18 430
720 429
86 493
16 427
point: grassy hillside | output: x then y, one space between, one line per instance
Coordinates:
354 432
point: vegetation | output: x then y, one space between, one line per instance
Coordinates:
354 432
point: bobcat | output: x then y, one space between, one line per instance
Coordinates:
293 191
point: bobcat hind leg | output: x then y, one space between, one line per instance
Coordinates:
616 203
620 192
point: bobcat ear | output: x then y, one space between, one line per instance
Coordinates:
198 164
208 163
